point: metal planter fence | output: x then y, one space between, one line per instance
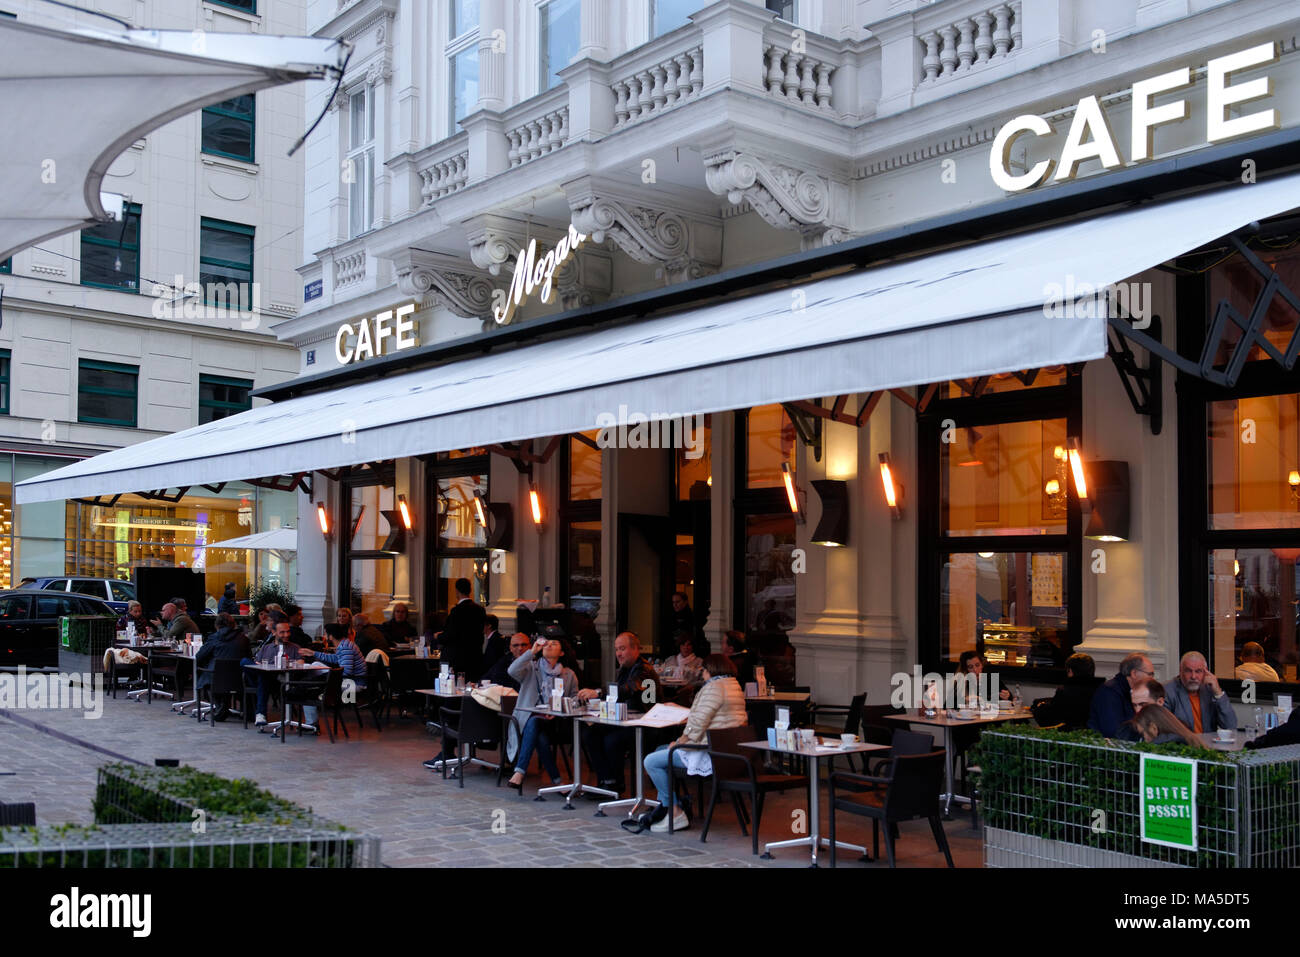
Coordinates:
1070 799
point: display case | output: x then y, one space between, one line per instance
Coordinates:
1006 644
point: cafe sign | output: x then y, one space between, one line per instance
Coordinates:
1167 801
1090 136
532 274
382 334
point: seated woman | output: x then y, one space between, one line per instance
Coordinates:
972 663
1072 703
686 665
536 672
719 704
135 614
1158 725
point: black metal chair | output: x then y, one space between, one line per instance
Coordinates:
852 714
473 727
875 728
676 774
738 771
225 678
376 696
332 703
126 674
908 790
308 687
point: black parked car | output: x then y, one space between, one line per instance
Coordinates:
29 624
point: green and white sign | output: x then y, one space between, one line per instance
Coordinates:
1167 800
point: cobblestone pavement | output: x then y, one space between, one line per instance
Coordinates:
374 782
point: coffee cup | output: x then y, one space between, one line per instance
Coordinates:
848 740
1225 734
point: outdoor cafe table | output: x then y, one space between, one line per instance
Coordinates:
577 787
452 696
284 673
638 725
148 649
814 840
941 719
1238 742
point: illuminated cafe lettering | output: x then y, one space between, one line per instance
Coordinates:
1090 136
371 332
531 273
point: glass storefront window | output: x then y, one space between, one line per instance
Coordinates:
449 570
368 529
1254 462
1238 282
1253 612
1010 606
370 587
584 589
770 441
1007 479
694 458
769 574
584 469
1005 382
559 38
458 525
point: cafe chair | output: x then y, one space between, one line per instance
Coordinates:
907 791
376 696
676 774
876 729
332 702
168 671
473 727
307 687
852 722
126 675
226 678
738 771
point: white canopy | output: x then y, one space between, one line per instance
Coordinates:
971 311
72 100
276 540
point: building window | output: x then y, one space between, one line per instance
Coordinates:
581 584
361 161
7 265
248 6
464 85
999 525
787 10
368 569
226 263
764 528
4 381
560 22
110 252
667 15
107 393
228 128
220 397
460 546
464 16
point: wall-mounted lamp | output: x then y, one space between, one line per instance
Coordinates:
323 517
1109 521
833 529
1293 483
480 515
405 510
893 489
535 502
501 526
1076 466
791 493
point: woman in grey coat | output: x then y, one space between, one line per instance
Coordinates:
536 672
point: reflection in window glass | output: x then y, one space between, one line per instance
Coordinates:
1008 479
371 585
668 15
1239 283
458 525
1005 382
584 567
1254 462
367 528
770 440
464 16
464 85
1010 606
769 576
1253 609
450 569
559 21
584 469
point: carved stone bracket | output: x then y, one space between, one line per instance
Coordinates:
787 197
683 246
494 241
443 280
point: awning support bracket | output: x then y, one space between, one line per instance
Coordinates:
808 426
1143 386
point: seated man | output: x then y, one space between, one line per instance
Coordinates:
499 673
494 643
1253 665
1072 702
175 624
297 635
1196 699
1288 733
638 688
368 637
398 630
266 682
1147 693
347 655
227 642
1112 704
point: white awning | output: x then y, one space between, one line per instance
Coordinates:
275 540
961 313
72 100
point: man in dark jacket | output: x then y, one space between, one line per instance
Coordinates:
494 643
499 673
368 636
638 688
1072 703
462 639
1112 705
1288 733
228 605
227 642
